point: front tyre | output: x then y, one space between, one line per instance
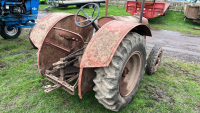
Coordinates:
10 32
116 85
154 59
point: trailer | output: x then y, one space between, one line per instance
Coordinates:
192 11
152 8
78 3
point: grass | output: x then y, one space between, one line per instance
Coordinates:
175 87
173 21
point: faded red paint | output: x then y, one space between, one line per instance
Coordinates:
55 36
104 43
42 28
133 19
152 8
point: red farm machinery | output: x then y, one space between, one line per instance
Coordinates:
110 60
151 8
192 11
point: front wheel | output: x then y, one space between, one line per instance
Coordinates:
10 32
116 85
154 59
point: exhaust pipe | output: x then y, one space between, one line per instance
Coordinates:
141 13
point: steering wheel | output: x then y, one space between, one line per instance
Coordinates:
89 18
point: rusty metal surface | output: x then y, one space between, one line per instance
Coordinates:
61 83
192 12
104 43
41 29
134 19
130 74
69 35
101 48
85 82
52 44
104 20
106 8
158 60
62 75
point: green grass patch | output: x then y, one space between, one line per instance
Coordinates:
173 21
175 87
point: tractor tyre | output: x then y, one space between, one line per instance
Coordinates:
9 32
165 13
90 6
116 85
154 59
34 47
78 6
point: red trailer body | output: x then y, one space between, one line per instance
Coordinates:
152 9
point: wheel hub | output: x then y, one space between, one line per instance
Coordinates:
158 60
11 31
125 72
130 74
10 28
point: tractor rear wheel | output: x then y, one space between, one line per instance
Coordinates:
154 59
116 85
9 32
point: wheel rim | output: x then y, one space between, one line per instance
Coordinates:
11 31
90 6
158 61
130 74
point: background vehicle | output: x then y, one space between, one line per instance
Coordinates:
16 14
78 3
152 8
112 62
192 12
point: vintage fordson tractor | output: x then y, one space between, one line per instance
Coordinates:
111 62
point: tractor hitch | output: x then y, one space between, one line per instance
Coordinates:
63 73
71 89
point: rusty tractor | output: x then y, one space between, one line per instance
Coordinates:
111 62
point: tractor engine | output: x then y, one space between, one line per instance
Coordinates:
15 7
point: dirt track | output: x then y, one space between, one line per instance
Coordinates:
175 44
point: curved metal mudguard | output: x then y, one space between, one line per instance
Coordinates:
51 46
42 28
101 48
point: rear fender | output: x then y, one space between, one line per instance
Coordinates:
101 48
